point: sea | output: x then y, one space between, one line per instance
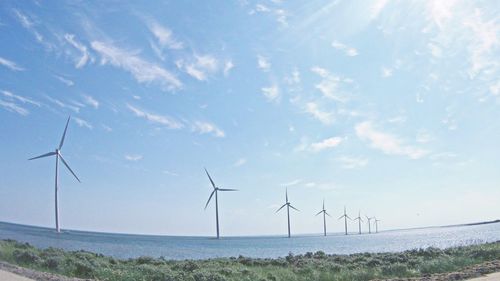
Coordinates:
125 246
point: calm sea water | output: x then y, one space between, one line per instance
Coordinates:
174 247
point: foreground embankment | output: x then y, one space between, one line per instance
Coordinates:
430 264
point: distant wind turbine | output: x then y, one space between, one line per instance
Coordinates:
288 206
324 218
58 155
369 224
345 216
216 189
359 219
376 224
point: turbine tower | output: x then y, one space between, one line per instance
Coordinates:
359 219
324 218
216 189
369 224
58 155
345 216
376 224
288 206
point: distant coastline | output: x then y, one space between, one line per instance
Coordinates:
250 236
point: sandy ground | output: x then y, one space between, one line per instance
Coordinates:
7 276
489 277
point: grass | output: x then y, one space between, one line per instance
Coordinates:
310 266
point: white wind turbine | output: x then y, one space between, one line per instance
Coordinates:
345 216
216 189
376 224
369 224
324 218
288 206
359 219
58 155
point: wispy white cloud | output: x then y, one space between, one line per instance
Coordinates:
387 143
63 105
423 136
200 66
106 128
156 118
386 72
240 162
293 78
66 81
133 157
12 107
23 19
29 25
142 70
11 96
91 101
330 84
85 55
314 110
271 93
327 143
377 7
10 64
83 123
165 37
292 182
170 173
280 15
263 63
484 44
203 127
495 88
349 51
349 162
228 65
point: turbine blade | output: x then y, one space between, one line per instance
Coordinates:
281 207
286 195
67 166
43 155
294 208
211 194
227 189
319 213
340 217
210 178
348 217
64 134
328 214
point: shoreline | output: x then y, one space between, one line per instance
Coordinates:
423 264
299 235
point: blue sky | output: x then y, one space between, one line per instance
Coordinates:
388 107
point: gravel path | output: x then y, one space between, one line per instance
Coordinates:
489 277
10 272
7 276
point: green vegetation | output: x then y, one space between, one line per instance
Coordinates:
310 266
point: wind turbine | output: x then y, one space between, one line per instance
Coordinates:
216 189
58 155
376 224
345 216
324 218
288 206
359 219
369 224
